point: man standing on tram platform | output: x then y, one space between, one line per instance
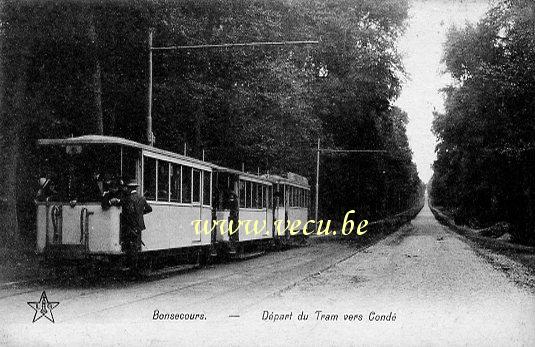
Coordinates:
134 207
234 207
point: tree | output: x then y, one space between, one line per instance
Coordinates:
486 135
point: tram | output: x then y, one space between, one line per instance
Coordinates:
73 225
291 204
244 212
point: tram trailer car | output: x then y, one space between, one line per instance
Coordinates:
290 204
72 226
245 204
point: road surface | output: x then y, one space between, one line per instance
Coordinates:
424 284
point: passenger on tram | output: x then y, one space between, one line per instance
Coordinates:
113 193
47 189
234 207
134 207
85 188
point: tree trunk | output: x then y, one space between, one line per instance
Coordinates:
13 120
95 123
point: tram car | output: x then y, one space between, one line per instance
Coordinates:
243 211
291 204
189 199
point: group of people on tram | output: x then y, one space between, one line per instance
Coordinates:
115 193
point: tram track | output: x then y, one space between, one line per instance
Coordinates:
55 282
269 275
264 278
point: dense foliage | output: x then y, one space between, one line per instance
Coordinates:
77 67
485 164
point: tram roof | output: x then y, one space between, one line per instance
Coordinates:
112 140
284 180
248 175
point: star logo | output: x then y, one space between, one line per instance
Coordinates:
43 308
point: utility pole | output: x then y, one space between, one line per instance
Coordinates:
319 150
150 134
317 183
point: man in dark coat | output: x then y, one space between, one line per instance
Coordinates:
234 207
134 207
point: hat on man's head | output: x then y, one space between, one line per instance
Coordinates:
43 182
132 183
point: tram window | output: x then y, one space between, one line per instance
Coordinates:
149 178
242 193
269 197
163 181
130 160
254 195
196 186
290 196
186 184
259 195
175 182
206 188
259 204
263 196
249 195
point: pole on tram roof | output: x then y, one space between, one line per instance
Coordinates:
185 148
317 184
319 150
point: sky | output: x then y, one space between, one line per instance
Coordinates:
421 46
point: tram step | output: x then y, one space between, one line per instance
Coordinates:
171 270
245 256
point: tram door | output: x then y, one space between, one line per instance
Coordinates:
196 200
